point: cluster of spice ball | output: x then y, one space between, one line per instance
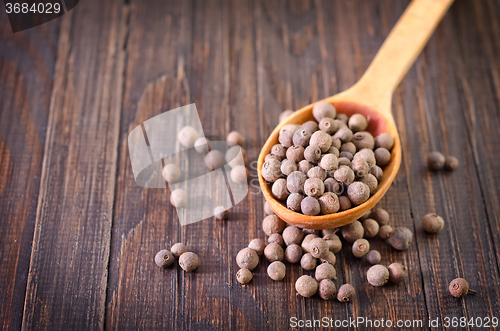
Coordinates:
188 261
327 165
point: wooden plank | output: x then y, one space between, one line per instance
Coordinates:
68 272
27 62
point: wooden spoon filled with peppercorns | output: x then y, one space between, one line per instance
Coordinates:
330 162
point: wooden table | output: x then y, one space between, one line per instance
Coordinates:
78 236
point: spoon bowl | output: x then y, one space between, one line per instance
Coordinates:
370 96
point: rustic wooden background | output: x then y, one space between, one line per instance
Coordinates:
78 236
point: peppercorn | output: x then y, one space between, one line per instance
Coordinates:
323 109
344 174
187 136
360 248
362 140
330 258
380 215
270 156
325 271
235 137
288 166
310 206
371 182
357 122
178 249
308 262
267 209
318 248
276 270
451 163
231 156
397 272
360 167
239 174
382 157
384 140
301 137
306 241
293 253
371 227
295 153
292 235
293 202
295 182
358 192
312 153
346 155
276 238
328 203
377 172
284 115
435 161
171 173
353 231
333 150
273 224
221 213
344 134
285 136
271 170
343 161
164 258
400 238
332 185
189 261
367 155
304 166
310 126
365 216
257 245
317 172
327 125
377 275
345 203
314 187
274 252
343 117
348 147
247 258
329 162
279 189
346 293
244 276
279 151
178 198
373 257
214 159
385 231
432 223
306 286
334 243
327 289
459 288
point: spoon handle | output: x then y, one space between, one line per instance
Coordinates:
399 51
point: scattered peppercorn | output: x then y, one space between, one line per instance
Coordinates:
293 253
400 238
178 249
308 262
236 138
231 156
276 270
292 235
385 231
380 215
397 272
267 209
323 109
325 271
360 248
189 261
257 245
178 198
244 276
435 161
358 192
171 173
306 241
451 163
377 275
164 258
239 174
214 159
319 248
346 293
371 228
276 238
327 289
330 258
187 136
373 257
353 231
334 243
221 213
459 288
310 206
274 252
273 224
247 258
432 223
306 286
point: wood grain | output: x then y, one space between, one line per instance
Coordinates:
68 271
27 62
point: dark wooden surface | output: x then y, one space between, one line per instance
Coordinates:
78 236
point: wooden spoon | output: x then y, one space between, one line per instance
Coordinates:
370 96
